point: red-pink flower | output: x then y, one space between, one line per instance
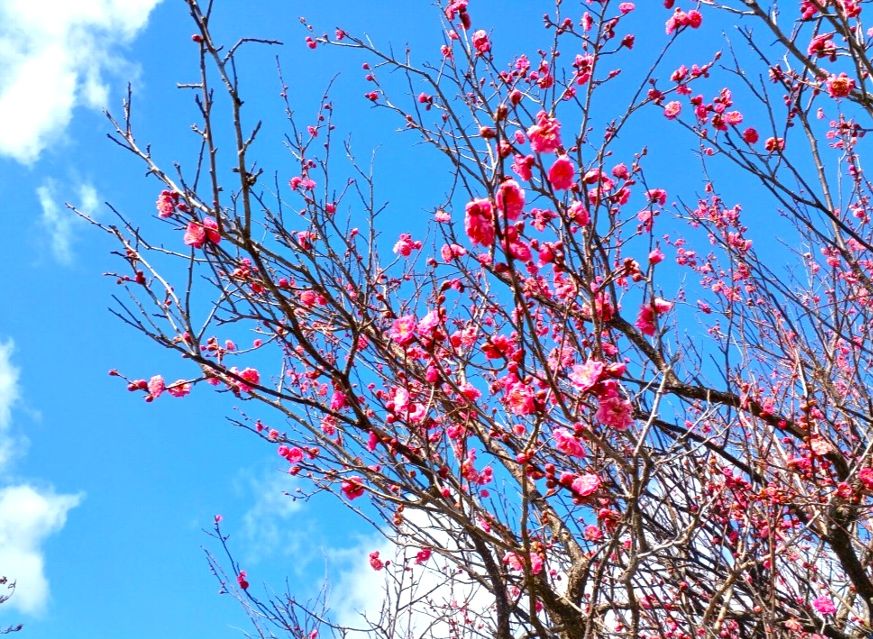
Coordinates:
672 109
179 388
520 399
586 484
375 562
422 555
839 86
481 42
647 318
166 204
156 386
479 222
405 245
352 487
561 173
615 412
568 443
241 580
199 233
510 199
545 135
824 605
585 376
403 329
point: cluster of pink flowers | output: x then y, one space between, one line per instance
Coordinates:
647 320
613 408
510 199
516 562
583 485
199 233
406 245
545 135
562 173
479 222
481 42
681 19
352 487
840 86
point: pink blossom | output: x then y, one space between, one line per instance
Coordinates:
567 443
375 562
510 199
405 245
593 533
442 216
241 580
626 7
156 386
578 212
479 222
840 86
352 487
615 412
481 42
824 605
647 318
403 329
545 134
179 388
522 166
520 399
672 109
561 173
585 376
422 555
866 477
293 454
586 484
197 234
166 204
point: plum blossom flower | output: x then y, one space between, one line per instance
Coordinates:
481 42
561 173
405 245
510 199
585 485
567 443
672 109
824 605
375 562
156 386
199 233
179 388
403 329
520 399
242 580
352 487
545 135
479 222
647 318
839 86
167 203
585 376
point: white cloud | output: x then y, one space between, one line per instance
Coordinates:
28 515
9 394
53 56
59 222
265 525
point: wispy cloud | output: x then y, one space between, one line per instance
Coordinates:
53 57
58 222
267 531
28 514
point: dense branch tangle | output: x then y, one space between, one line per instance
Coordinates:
608 457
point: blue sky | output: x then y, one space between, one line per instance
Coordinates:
103 498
